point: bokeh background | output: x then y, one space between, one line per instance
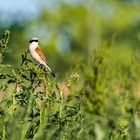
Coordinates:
93 46
69 30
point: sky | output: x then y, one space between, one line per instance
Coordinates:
20 10
23 8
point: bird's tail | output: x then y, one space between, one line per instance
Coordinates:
50 70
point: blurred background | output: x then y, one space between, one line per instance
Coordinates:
93 46
69 30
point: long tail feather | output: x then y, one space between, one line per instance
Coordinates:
50 70
53 74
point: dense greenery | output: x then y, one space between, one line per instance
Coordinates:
103 102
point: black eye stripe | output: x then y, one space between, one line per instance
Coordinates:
33 41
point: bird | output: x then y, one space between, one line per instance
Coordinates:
37 54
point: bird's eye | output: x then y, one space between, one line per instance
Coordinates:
30 41
33 41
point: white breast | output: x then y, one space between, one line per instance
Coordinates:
33 53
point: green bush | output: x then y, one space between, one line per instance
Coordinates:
34 105
103 101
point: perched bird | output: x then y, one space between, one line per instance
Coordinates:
37 54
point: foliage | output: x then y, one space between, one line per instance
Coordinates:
3 43
103 102
33 103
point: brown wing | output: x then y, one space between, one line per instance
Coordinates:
40 53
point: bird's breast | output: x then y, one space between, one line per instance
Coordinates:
34 55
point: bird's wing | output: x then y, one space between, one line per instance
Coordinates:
40 53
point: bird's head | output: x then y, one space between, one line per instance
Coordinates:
33 42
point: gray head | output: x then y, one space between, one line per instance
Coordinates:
35 39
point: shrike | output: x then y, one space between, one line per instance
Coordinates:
37 53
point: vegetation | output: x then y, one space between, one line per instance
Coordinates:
94 50
102 106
